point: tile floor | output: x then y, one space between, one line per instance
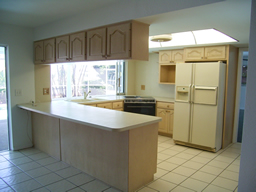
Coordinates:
179 169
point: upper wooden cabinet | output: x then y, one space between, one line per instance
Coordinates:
173 56
121 41
44 51
205 53
70 47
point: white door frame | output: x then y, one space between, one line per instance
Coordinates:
238 92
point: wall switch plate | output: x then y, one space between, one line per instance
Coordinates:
46 91
142 87
18 92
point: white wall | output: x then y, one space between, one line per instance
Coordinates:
122 11
247 173
19 41
147 73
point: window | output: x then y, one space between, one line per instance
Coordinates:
73 79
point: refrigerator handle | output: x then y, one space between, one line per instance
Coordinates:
192 93
189 93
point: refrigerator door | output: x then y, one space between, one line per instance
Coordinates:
205 95
181 121
204 104
204 124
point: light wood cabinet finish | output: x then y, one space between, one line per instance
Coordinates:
127 40
96 44
167 73
44 51
109 42
118 105
215 53
178 56
165 110
173 56
105 105
70 47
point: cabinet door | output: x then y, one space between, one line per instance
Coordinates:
39 52
62 49
192 54
118 41
96 44
77 47
164 123
178 56
49 51
165 56
215 53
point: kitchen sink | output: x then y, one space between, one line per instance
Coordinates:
85 100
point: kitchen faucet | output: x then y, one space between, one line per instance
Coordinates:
86 94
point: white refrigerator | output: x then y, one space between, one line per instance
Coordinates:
199 105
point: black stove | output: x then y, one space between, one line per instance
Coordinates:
140 104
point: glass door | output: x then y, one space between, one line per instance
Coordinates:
4 144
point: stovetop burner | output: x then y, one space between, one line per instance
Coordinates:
138 99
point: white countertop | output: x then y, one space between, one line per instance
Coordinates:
101 118
165 99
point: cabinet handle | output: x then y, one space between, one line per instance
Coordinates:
108 55
168 106
205 57
70 59
42 60
103 56
168 111
67 59
202 57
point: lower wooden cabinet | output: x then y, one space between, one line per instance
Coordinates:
105 105
119 106
116 105
166 111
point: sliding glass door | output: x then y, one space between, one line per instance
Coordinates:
4 144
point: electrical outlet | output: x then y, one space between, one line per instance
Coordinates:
18 92
142 87
46 91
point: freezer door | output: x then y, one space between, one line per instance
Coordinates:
204 124
183 74
181 122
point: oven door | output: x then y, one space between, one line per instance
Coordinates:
141 108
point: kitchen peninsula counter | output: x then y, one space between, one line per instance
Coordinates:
116 147
106 119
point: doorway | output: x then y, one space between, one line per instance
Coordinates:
240 94
4 143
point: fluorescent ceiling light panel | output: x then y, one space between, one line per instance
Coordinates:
207 36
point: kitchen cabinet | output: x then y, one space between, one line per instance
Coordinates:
167 73
44 51
214 53
120 41
119 105
167 61
105 105
70 47
166 111
173 56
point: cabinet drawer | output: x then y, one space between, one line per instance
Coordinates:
165 105
105 105
117 105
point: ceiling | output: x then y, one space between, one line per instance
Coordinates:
231 17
